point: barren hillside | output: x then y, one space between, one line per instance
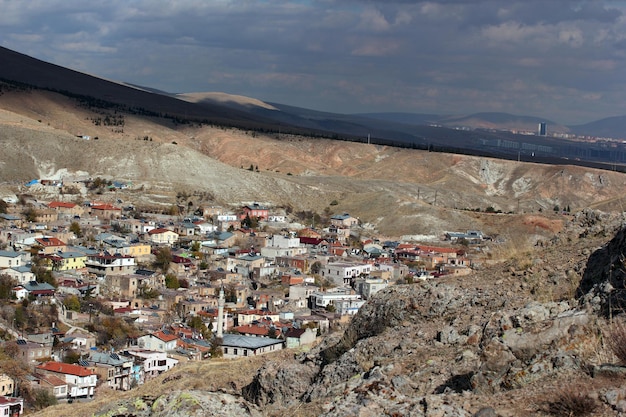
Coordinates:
395 191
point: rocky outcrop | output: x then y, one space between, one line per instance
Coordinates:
182 404
603 285
281 384
522 354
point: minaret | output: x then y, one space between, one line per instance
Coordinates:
220 312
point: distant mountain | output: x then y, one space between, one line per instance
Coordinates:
484 134
33 72
496 120
486 120
611 127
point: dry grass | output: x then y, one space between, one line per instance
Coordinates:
223 374
616 340
572 401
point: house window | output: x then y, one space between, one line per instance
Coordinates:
235 351
245 352
225 350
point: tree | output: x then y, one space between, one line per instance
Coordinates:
71 356
171 282
43 398
30 214
6 285
71 302
247 222
230 293
197 324
43 274
271 332
75 228
163 258
19 317
148 293
216 348
316 267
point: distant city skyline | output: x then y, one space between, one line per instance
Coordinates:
561 60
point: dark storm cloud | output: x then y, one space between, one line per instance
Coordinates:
559 59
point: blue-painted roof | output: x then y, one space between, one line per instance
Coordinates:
343 216
38 286
10 254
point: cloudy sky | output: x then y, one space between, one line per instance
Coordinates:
564 60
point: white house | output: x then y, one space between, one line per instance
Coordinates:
103 265
154 363
159 341
11 406
368 287
279 245
163 236
22 274
81 380
341 273
344 301
10 259
204 228
238 346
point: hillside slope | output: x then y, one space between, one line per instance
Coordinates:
511 340
396 191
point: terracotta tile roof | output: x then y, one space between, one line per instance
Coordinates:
52 380
164 336
49 241
105 207
159 230
61 204
65 368
255 330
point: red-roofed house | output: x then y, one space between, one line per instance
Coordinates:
11 406
159 341
50 245
257 330
80 379
105 211
66 209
